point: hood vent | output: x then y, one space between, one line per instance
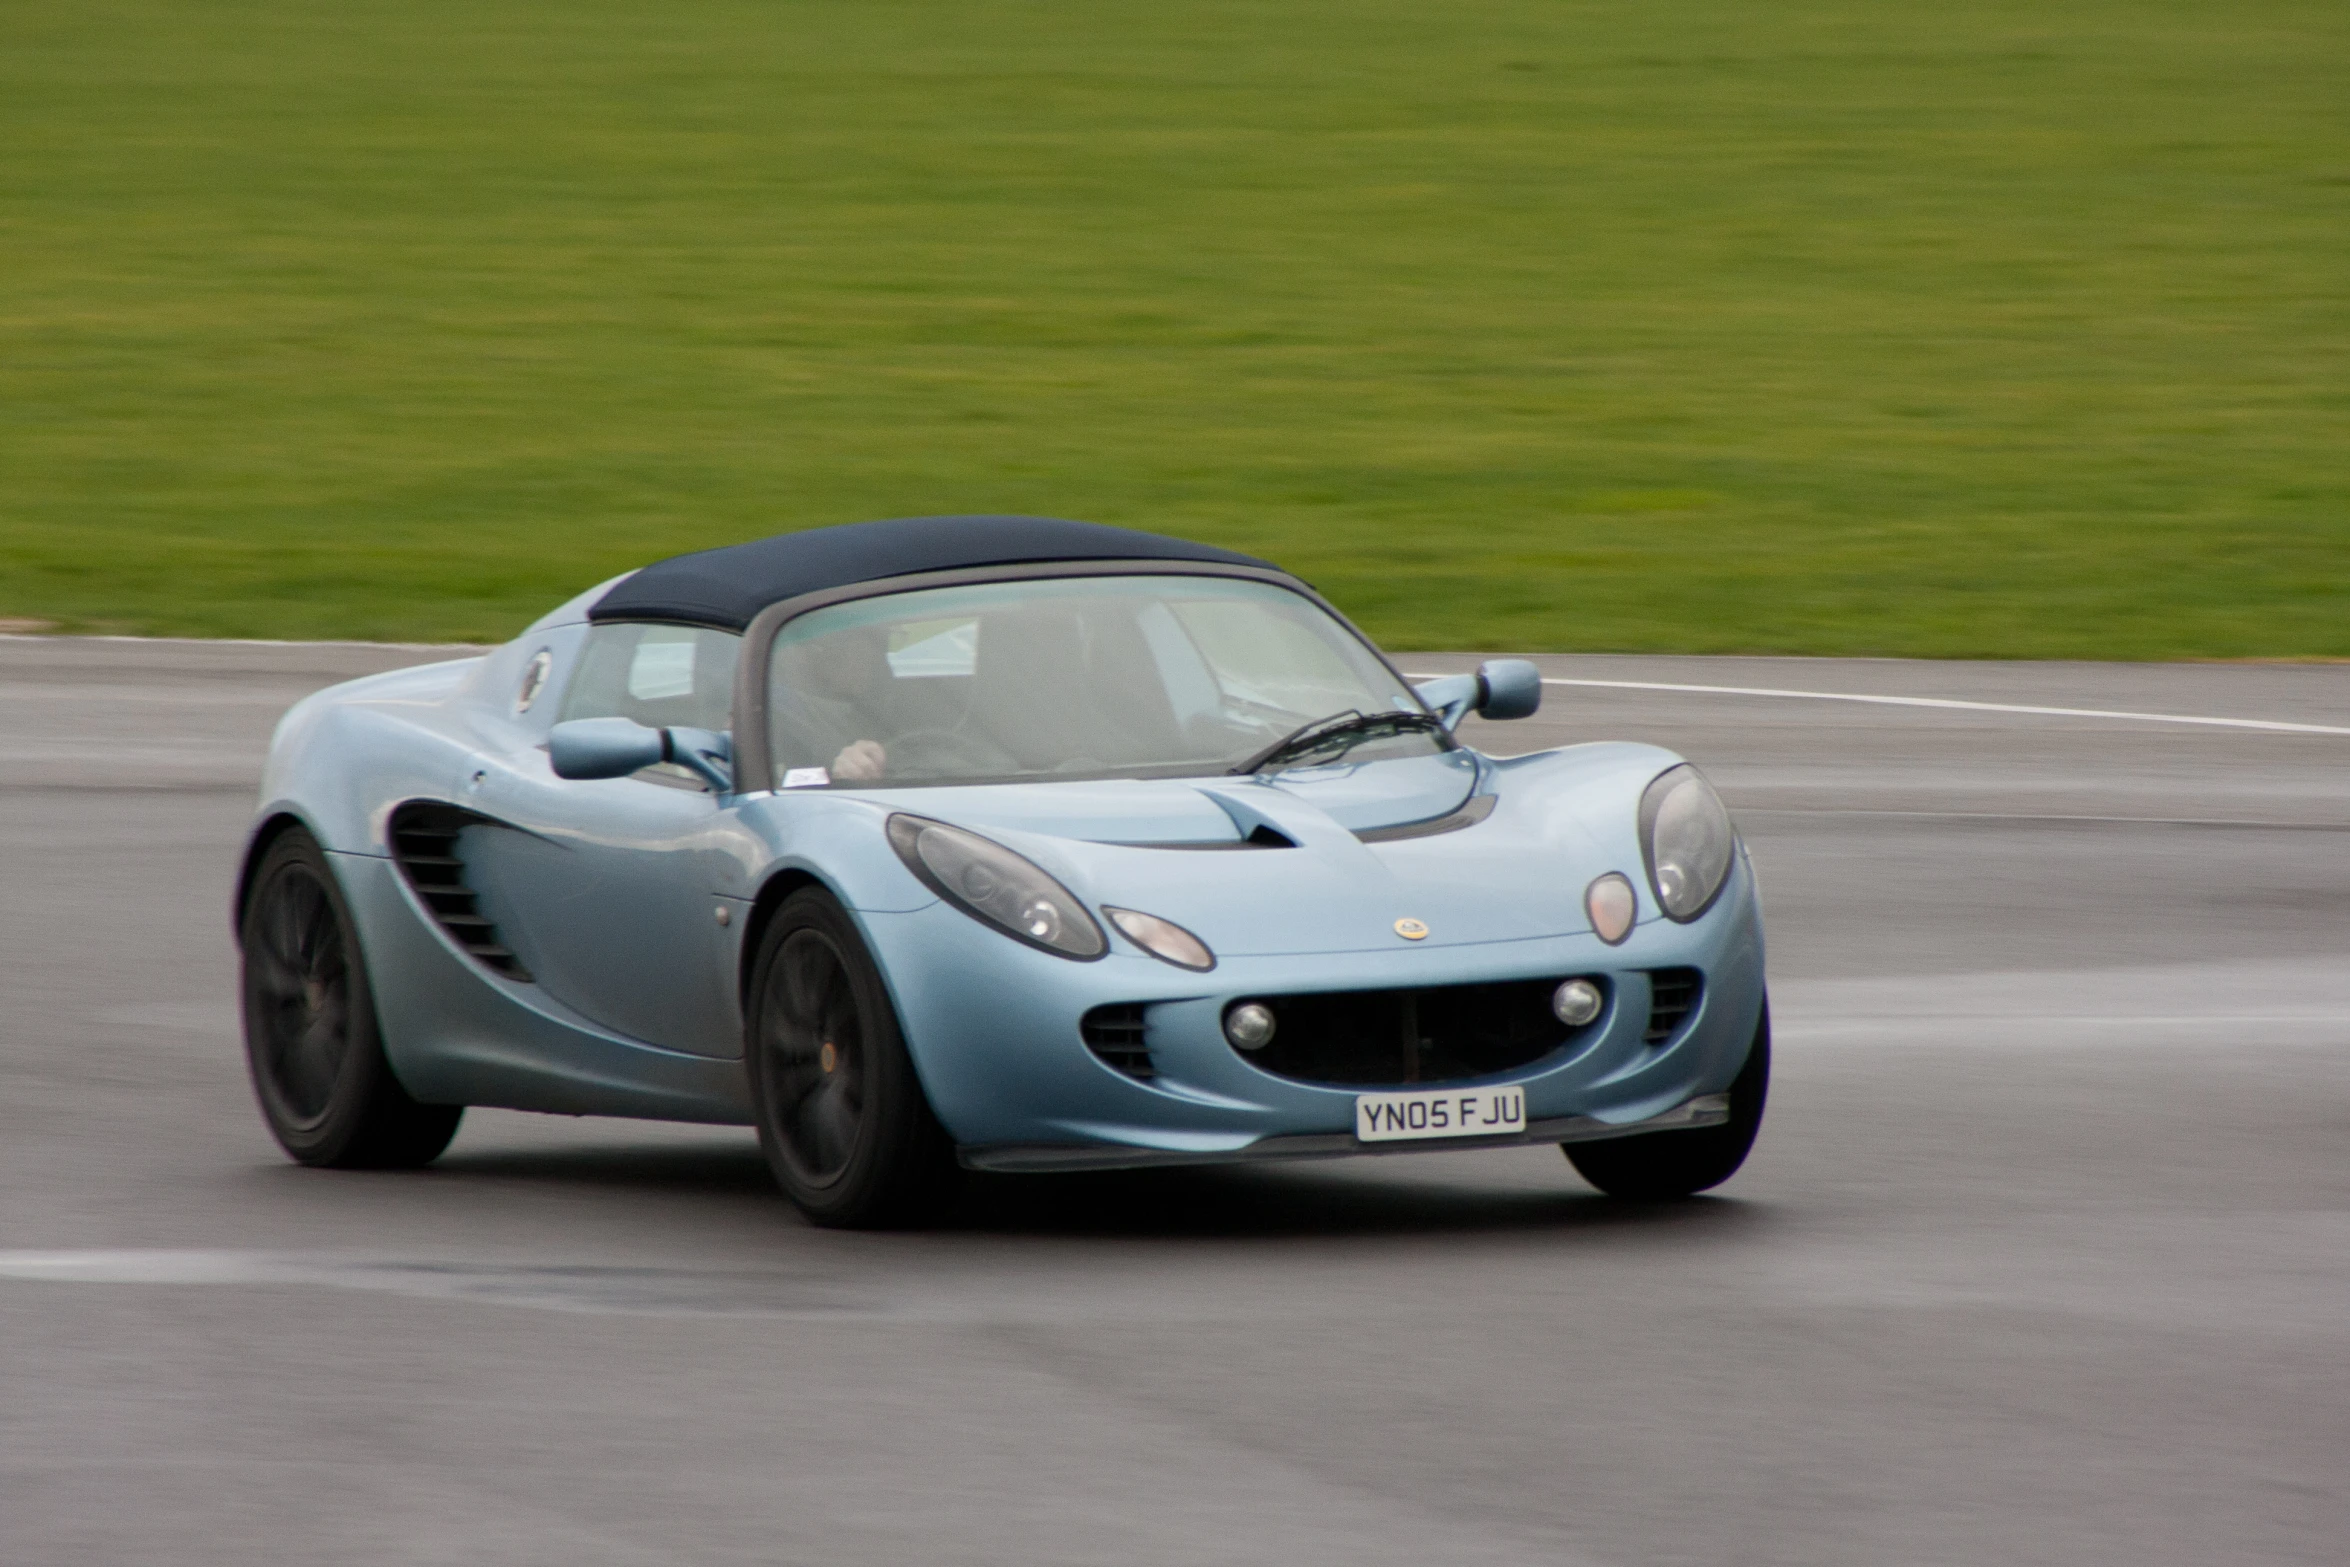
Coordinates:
424 843
1476 810
1672 996
1259 837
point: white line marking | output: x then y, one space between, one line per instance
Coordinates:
453 649
2274 725
2041 816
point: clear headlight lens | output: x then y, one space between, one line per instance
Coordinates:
1610 903
1162 939
1687 838
989 882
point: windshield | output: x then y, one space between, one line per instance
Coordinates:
1145 676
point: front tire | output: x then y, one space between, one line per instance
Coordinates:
842 1118
1659 1166
311 1044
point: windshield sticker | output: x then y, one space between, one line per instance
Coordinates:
806 778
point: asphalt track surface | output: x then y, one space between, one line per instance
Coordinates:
2044 1255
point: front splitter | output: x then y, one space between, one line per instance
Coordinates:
1030 1158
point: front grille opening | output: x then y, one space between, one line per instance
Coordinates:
1672 997
1437 1034
1114 1034
424 842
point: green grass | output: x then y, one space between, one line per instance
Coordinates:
1836 326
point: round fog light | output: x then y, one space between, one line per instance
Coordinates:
1249 1026
1576 1002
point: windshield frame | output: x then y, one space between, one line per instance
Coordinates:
755 757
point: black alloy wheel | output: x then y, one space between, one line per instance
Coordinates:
842 1117
310 1034
1659 1166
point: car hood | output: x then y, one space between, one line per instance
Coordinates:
1181 850
1207 811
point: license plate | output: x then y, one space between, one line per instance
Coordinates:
1439 1112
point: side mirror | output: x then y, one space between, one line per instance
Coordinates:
602 748
1512 688
1501 688
589 748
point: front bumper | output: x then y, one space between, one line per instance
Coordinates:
1704 1110
993 1027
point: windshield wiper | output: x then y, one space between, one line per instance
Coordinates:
1346 730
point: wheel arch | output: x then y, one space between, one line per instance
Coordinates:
772 893
782 882
273 825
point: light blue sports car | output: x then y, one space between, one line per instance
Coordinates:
996 842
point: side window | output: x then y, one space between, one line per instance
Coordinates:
661 676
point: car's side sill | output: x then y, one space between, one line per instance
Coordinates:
1704 1110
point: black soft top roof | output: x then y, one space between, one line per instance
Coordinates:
728 587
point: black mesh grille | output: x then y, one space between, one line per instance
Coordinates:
1114 1033
1673 994
1441 1034
424 842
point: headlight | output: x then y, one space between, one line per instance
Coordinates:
1610 902
1162 939
1688 841
989 882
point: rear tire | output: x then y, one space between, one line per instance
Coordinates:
311 1043
1659 1166
842 1117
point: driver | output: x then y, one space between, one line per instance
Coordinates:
838 680
861 761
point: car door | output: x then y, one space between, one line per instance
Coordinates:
612 885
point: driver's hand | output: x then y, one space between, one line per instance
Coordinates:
861 759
